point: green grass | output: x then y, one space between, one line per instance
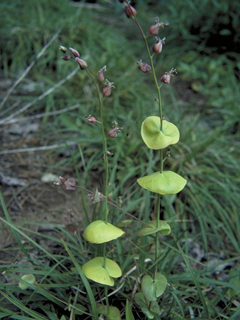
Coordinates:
202 101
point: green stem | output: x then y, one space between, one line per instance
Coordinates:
106 295
157 250
99 96
158 87
104 144
153 71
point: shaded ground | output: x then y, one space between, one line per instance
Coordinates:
26 196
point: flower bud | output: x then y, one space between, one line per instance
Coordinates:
62 180
157 47
75 52
82 64
144 67
66 218
107 154
107 91
166 78
130 11
154 29
112 133
70 212
63 49
67 57
96 197
91 119
101 75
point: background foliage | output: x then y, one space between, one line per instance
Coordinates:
202 42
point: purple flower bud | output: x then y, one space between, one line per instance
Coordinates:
62 180
157 47
70 212
82 64
144 67
67 57
101 75
66 218
154 29
113 133
63 49
75 52
166 78
91 119
130 11
107 91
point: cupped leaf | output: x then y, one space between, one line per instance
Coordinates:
112 313
28 279
153 288
99 232
163 227
167 182
94 270
158 139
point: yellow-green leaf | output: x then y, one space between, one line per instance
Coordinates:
158 139
167 182
99 232
94 270
28 279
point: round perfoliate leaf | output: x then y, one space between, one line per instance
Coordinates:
167 182
158 139
99 232
112 313
153 288
94 270
163 227
28 279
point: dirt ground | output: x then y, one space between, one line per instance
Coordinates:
27 194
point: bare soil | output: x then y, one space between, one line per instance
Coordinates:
27 198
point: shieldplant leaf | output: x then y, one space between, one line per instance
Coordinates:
158 139
94 270
112 312
100 231
153 288
28 279
167 182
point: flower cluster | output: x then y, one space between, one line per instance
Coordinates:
74 55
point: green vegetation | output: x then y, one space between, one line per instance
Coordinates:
200 257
